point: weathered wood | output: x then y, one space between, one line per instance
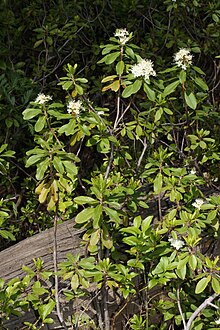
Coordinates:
39 246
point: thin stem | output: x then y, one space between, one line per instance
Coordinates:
105 306
117 111
142 154
56 285
199 309
122 115
109 162
180 308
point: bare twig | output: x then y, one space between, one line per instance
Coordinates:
180 307
117 112
56 285
142 154
199 309
122 115
105 306
109 162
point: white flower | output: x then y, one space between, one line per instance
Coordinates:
183 58
74 107
193 171
176 243
198 203
41 98
143 69
100 113
123 36
217 321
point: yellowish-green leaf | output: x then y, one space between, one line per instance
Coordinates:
75 282
216 285
85 215
108 78
202 284
158 182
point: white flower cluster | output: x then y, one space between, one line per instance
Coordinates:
42 98
176 243
193 171
74 107
143 69
217 321
123 36
198 203
183 58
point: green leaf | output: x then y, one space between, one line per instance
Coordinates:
158 114
168 111
7 235
158 182
146 223
85 215
41 169
87 263
108 78
108 48
57 163
202 284
181 272
193 261
132 89
212 216
216 285
215 18
48 320
106 239
182 76
200 82
110 58
43 193
113 214
30 113
95 237
68 129
103 145
171 88
130 52
97 216
71 168
3 147
82 80
66 85
191 100
34 159
75 282
40 123
150 93
198 70
84 200
120 67
45 310
79 89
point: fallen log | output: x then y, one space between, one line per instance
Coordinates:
40 246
